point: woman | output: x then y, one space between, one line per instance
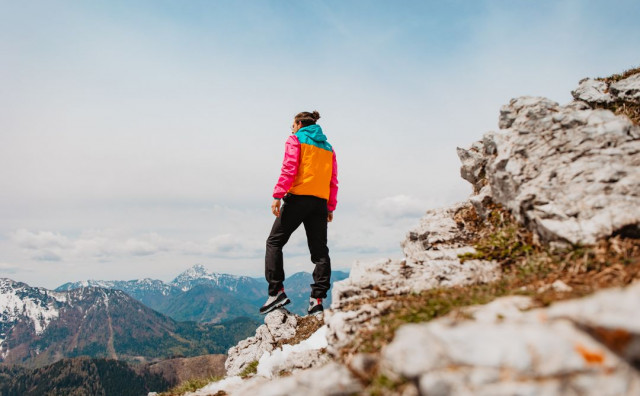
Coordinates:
308 185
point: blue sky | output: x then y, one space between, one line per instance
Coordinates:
142 137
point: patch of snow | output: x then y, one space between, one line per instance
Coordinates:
13 306
271 360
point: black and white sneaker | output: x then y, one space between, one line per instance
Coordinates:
315 306
273 302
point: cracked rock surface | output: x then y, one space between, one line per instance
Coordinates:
570 173
581 347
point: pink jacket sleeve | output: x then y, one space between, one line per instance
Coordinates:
333 191
289 167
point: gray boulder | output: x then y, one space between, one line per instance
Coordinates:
628 89
592 91
569 348
570 174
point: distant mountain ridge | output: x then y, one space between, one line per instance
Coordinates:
209 297
39 326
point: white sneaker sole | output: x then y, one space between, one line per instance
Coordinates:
279 305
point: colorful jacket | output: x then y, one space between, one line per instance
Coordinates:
309 167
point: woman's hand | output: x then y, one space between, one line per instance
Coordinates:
275 207
330 217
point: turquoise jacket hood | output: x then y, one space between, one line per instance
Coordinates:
312 134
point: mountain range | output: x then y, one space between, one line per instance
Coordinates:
40 326
208 297
197 313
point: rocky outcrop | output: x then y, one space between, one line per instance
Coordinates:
432 260
597 91
582 347
329 379
568 173
278 325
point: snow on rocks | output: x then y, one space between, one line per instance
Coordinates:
303 355
20 300
279 325
311 373
570 174
502 351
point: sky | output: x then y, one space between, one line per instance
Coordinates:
139 138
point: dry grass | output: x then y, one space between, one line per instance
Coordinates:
250 370
621 76
307 325
631 110
528 269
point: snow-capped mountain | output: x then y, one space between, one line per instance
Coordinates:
39 326
198 275
196 294
35 307
151 292
204 296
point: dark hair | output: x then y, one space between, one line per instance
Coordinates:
307 118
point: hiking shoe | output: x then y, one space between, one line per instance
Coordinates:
273 302
315 306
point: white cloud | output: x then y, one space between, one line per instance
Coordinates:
112 244
187 132
40 240
398 207
8 268
233 246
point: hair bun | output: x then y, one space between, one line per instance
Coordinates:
315 115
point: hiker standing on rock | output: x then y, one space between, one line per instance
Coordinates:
308 185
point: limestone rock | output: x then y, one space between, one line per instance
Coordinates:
558 286
592 91
343 326
279 325
610 316
288 358
330 379
502 351
473 162
572 176
627 89
431 250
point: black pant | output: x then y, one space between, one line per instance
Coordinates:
312 212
